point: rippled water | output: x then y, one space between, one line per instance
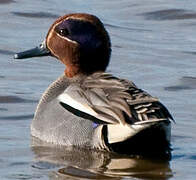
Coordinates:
154 44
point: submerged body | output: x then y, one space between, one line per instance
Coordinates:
90 108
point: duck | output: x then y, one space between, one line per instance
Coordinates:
88 107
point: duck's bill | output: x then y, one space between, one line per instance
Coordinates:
35 52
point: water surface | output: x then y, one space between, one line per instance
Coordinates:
154 45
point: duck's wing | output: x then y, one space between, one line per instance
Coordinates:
106 99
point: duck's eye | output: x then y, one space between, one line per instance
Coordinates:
63 32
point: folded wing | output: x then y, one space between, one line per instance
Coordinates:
105 99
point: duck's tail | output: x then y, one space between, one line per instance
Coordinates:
152 140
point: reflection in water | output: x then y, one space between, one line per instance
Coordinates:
74 163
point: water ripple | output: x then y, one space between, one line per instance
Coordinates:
44 165
169 14
189 52
6 52
23 176
14 99
3 109
126 28
70 171
180 156
193 157
19 163
186 83
7 1
20 117
35 14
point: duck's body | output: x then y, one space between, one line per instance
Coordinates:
110 111
90 108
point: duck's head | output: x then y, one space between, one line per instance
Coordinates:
80 41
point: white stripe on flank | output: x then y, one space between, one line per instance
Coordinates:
83 107
65 98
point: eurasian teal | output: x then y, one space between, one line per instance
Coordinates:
89 107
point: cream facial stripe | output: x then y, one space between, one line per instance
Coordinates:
63 36
67 39
50 36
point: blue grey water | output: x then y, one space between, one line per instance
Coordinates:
154 45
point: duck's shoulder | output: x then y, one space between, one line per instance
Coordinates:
106 81
118 87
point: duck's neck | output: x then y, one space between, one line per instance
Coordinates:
71 71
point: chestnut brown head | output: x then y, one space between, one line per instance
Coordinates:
80 41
